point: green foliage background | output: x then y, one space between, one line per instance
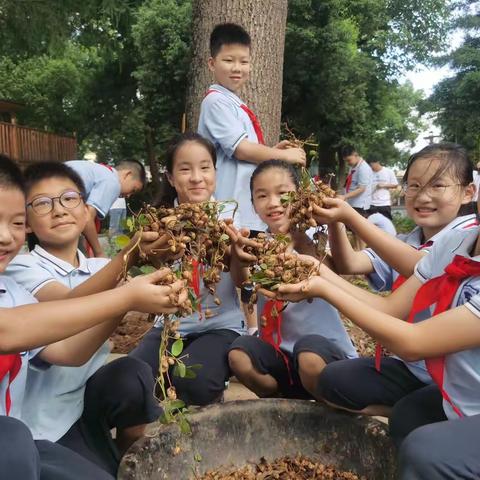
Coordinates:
115 72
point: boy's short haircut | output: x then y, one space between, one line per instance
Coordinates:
373 158
228 34
136 167
45 170
348 150
10 174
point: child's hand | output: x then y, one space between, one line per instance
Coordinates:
148 297
155 247
296 156
242 258
284 144
336 210
297 292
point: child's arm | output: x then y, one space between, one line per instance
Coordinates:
239 259
256 153
400 256
109 276
30 326
346 260
451 331
90 233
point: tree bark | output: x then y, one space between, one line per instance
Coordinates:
152 159
265 21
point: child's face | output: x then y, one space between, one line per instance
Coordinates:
231 66
268 188
438 204
62 225
193 173
12 224
129 184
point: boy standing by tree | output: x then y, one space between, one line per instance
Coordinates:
383 181
104 185
233 128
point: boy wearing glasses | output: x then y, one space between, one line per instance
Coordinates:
77 406
103 185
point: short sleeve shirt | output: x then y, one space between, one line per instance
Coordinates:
462 369
54 397
101 183
13 295
225 124
381 196
361 177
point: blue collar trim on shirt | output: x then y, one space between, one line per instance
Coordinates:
62 267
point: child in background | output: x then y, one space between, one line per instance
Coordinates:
78 406
28 327
103 185
232 127
311 335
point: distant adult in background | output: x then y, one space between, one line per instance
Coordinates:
358 184
104 184
383 181
117 214
476 181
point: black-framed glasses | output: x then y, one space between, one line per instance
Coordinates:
44 205
433 191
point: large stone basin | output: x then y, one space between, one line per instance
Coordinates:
235 433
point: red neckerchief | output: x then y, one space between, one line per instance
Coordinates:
253 118
400 280
441 291
197 272
10 364
348 181
271 332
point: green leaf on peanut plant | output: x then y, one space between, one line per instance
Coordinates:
143 220
185 426
121 241
135 271
224 237
147 269
130 224
189 373
177 347
182 370
176 405
195 366
197 457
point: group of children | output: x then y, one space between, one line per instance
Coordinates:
59 400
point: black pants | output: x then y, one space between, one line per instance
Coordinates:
266 360
356 384
118 395
209 349
385 210
434 448
23 459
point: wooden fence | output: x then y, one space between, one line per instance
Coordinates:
28 145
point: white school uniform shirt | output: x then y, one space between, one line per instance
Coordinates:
362 177
13 295
54 397
383 276
225 124
462 369
101 184
381 196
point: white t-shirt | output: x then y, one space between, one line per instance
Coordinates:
225 124
381 196
54 397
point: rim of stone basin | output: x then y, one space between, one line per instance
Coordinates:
243 431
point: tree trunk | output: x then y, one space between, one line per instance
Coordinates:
152 158
265 21
327 164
